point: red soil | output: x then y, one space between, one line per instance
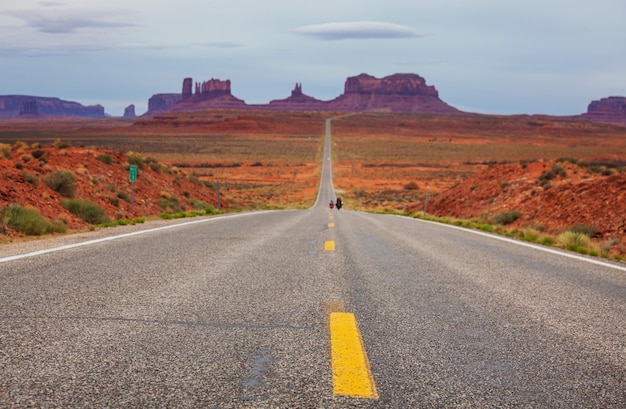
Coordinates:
96 181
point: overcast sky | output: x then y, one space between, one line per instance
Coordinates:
489 56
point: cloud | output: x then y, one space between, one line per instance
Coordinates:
359 30
221 44
52 22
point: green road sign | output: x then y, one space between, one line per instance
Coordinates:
133 173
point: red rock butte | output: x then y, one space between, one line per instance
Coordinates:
401 93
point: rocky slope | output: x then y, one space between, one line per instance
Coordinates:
101 177
550 197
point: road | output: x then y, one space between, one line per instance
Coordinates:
233 311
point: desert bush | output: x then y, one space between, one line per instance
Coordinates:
172 203
138 220
154 165
105 158
88 211
506 217
567 160
32 179
19 165
548 175
573 240
19 145
607 245
59 144
137 161
198 204
589 231
124 196
26 158
411 186
37 153
61 182
28 221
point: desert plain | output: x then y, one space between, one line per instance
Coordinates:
552 174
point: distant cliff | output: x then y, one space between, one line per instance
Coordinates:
24 106
363 93
610 110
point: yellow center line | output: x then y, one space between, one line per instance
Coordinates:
352 375
329 245
331 224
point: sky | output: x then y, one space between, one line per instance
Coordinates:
489 56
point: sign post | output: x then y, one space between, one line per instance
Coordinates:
132 177
426 200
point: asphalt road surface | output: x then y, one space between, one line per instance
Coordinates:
233 311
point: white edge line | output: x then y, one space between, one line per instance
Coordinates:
523 243
121 236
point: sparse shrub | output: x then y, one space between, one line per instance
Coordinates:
589 231
194 180
88 211
29 221
19 145
61 182
59 144
256 164
32 179
567 159
26 158
198 204
506 217
607 245
211 210
137 161
37 153
19 165
124 196
138 220
573 240
172 203
114 201
105 158
411 186
154 165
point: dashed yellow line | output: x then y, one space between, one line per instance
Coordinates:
352 375
329 245
331 224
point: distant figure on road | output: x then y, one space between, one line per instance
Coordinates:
339 203
331 204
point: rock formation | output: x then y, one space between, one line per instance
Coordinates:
403 93
363 93
610 110
162 102
129 111
29 108
12 106
297 101
214 93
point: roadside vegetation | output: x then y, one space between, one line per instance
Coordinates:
578 238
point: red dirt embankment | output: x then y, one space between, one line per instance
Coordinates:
550 197
96 181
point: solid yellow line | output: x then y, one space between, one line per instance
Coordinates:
329 245
352 375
